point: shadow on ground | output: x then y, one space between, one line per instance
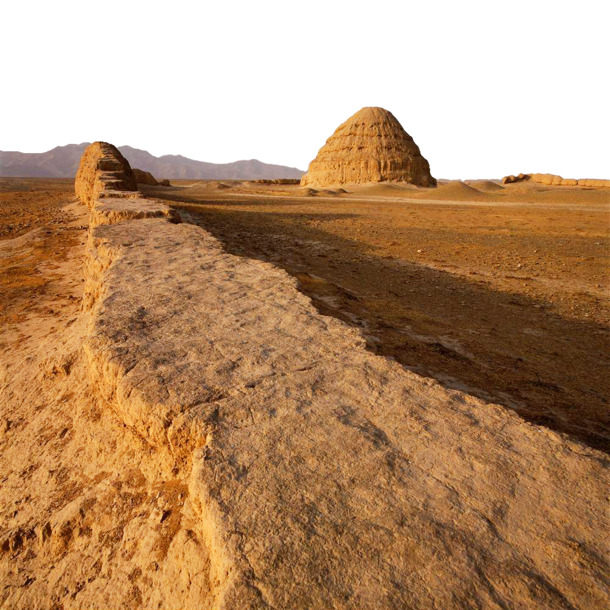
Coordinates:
503 347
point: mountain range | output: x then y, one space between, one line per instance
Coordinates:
62 162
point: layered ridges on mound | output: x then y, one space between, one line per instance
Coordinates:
106 183
371 146
102 169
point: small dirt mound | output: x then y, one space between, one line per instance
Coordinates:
307 192
220 186
387 189
486 186
455 190
144 177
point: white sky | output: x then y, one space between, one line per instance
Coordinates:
486 88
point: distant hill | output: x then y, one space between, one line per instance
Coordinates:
62 162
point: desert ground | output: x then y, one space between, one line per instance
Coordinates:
501 293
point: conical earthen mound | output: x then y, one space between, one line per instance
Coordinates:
102 168
371 146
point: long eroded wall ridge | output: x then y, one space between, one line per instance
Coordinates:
324 476
555 180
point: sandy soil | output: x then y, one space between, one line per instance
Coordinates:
503 292
37 233
84 502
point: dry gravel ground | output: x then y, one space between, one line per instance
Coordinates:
505 294
37 234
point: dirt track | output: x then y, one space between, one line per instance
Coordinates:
506 299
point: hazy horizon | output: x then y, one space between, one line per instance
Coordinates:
119 146
485 89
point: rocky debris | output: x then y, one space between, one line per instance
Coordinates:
323 475
277 181
594 183
103 169
164 182
371 146
555 180
143 177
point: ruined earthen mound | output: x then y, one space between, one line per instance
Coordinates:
143 177
103 168
594 183
277 181
512 179
555 180
371 146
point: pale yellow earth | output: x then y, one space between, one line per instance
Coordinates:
182 427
